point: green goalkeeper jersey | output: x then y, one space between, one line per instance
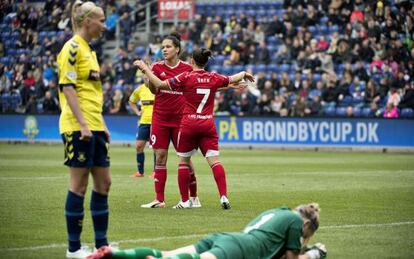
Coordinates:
277 230
269 235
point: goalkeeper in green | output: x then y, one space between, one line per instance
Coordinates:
276 233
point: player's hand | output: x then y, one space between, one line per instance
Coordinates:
141 65
86 133
317 251
238 85
248 76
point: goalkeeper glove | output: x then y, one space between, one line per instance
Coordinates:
317 251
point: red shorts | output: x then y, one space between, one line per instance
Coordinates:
196 134
162 135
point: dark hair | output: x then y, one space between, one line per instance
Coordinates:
201 56
175 37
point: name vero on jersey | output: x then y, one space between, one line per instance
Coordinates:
170 92
94 75
203 80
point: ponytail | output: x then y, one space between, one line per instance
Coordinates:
81 10
201 56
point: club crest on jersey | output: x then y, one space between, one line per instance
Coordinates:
162 74
94 75
71 75
81 157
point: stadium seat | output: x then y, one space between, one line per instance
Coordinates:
341 111
314 92
52 34
346 101
324 20
273 68
323 29
356 111
140 51
407 113
238 68
285 68
227 70
367 112
317 77
259 68
329 111
219 59
5 61
333 28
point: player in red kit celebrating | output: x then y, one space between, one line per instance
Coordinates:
168 107
197 128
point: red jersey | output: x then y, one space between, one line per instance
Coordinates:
199 88
168 104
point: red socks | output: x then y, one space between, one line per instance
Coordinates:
220 178
184 180
160 177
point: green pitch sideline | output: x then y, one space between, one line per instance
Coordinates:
276 233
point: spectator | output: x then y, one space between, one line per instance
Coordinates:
50 103
126 26
391 111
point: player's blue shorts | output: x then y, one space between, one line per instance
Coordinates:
143 132
80 153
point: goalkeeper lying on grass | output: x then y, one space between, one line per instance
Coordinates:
276 233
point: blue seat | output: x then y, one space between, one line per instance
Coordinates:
259 68
314 92
284 68
140 51
273 40
317 77
5 35
227 70
219 59
367 112
407 113
324 20
15 35
237 68
323 29
346 101
341 111
5 61
312 29
356 111
52 34
333 28
272 68
329 111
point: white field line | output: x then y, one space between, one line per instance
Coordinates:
146 240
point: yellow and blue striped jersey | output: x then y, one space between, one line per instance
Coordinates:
79 68
143 94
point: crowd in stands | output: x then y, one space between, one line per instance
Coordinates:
310 57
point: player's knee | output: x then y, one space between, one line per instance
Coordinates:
161 158
140 148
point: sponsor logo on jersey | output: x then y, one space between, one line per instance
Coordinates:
162 74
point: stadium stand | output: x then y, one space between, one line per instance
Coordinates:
338 47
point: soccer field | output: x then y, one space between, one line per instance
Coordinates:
367 200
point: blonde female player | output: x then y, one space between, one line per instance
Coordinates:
83 130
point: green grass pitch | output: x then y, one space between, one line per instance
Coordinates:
367 200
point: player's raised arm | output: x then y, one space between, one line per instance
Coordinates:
154 80
240 76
